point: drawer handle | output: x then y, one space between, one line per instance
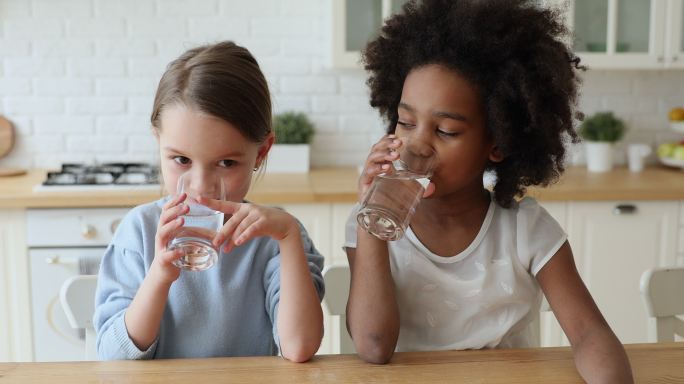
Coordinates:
625 209
88 231
57 260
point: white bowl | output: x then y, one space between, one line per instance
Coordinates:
677 126
670 162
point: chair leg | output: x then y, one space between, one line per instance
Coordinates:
665 329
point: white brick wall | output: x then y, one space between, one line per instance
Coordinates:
77 77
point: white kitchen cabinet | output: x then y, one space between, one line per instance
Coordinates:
15 316
355 22
613 244
626 34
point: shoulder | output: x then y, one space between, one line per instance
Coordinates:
139 224
525 212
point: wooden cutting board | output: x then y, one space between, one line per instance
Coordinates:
6 144
6 136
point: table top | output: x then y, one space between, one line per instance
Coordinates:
338 185
651 363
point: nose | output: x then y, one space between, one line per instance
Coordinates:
202 183
419 142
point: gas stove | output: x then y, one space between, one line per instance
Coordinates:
102 176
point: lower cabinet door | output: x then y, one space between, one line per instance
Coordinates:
613 244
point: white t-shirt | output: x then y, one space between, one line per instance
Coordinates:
483 297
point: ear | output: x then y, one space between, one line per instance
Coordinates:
155 133
495 155
264 148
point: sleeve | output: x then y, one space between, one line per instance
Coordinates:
539 235
350 228
120 275
272 280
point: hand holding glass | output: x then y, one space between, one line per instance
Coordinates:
200 223
391 200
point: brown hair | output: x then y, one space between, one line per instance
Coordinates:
222 80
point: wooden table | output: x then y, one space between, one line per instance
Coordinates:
651 363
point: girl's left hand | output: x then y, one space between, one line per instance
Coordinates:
248 221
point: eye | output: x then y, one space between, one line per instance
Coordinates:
445 133
227 163
182 160
405 124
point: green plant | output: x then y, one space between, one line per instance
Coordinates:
292 128
602 126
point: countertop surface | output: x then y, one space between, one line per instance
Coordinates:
338 185
651 363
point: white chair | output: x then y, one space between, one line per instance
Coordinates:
337 279
663 292
78 300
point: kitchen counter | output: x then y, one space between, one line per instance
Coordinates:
338 185
651 363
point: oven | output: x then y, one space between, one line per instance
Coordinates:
63 243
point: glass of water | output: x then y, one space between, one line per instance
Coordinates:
200 223
391 200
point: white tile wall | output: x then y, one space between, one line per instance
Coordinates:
77 77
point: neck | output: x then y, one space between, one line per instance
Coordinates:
455 209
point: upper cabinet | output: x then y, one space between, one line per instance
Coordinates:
626 34
608 34
355 22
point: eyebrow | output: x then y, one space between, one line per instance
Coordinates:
448 115
227 155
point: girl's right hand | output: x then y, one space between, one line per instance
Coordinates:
378 161
170 221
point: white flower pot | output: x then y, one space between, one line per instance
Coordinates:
599 156
288 158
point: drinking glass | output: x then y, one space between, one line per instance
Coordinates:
200 223
392 198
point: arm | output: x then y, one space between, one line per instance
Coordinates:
599 355
143 316
299 316
372 312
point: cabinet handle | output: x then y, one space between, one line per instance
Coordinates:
54 260
661 59
88 231
675 58
624 209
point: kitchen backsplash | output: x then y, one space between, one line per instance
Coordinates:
77 77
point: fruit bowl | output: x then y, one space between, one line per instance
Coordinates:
677 126
672 162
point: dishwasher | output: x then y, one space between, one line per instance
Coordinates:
63 243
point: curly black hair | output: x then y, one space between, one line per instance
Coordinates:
512 52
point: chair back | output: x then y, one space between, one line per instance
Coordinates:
662 290
337 278
77 297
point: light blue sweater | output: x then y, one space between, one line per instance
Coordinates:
227 310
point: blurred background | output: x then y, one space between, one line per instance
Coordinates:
77 77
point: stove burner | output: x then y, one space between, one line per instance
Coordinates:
104 174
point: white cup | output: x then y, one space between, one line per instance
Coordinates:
636 153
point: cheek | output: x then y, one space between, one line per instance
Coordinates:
237 186
169 178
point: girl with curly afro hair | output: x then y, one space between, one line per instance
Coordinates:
490 86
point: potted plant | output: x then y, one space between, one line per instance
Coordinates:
600 131
290 153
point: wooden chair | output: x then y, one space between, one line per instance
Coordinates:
663 292
337 279
77 296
